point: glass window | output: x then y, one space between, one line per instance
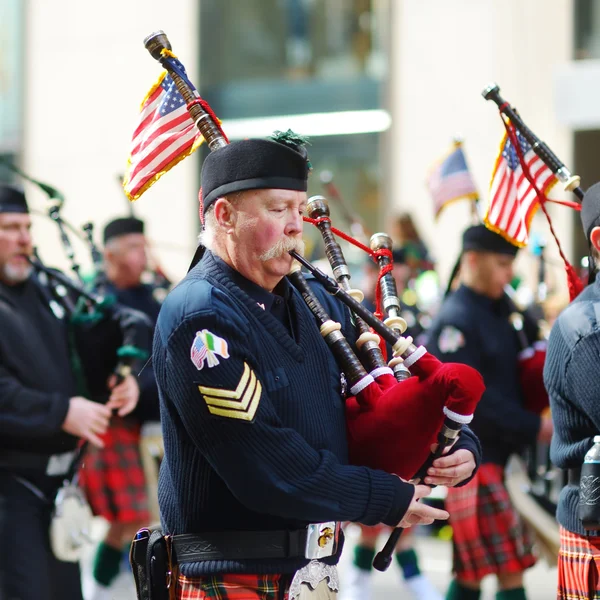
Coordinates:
290 39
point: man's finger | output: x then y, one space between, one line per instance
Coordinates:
421 491
447 472
429 512
447 481
94 439
127 408
460 456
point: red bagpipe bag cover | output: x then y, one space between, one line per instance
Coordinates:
392 424
531 374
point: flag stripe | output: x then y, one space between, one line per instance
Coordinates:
513 199
164 135
450 180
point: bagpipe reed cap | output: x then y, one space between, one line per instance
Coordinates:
380 240
156 42
317 206
490 89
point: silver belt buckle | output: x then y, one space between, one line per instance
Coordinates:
321 542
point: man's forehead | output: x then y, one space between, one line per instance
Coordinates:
14 219
274 195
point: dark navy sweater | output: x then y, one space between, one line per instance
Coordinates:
285 466
572 378
475 330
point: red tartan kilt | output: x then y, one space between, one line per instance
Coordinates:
232 587
578 572
113 477
488 534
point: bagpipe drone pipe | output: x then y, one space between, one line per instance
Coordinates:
391 424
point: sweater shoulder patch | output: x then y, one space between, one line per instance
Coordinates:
205 349
239 403
450 339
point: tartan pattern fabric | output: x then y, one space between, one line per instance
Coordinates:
233 587
578 566
488 534
113 477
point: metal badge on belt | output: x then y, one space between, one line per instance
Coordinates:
321 542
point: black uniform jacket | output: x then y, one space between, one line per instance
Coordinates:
36 380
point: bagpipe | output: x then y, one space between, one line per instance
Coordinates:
393 415
105 337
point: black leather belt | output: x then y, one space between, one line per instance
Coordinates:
574 475
239 545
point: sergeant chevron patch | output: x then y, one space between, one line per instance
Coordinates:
240 403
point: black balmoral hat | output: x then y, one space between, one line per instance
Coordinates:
255 164
590 209
12 200
122 226
481 239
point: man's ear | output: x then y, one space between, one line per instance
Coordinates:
595 238
224 216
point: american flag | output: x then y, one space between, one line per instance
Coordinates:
513 200
450 180
165 135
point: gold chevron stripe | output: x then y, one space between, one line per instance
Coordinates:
240 403
233 394
244 415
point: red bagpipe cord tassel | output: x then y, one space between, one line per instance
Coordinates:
574 282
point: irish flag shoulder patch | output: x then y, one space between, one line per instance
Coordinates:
205 349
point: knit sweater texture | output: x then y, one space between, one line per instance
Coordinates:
572 378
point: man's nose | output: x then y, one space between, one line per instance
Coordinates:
294 224
25 237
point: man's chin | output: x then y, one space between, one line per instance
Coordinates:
14 275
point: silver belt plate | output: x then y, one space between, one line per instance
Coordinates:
322 540
59 464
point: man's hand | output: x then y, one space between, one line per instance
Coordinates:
86 419
421 514
450 470
124 396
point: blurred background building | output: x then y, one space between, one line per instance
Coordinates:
380 86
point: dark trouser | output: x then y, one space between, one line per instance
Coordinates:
28 569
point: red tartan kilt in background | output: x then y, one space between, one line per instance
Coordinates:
113 477
232 587
488 534
578 566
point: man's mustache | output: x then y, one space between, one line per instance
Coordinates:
282 247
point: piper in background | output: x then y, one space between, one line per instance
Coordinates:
113 477
473 327
42 416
